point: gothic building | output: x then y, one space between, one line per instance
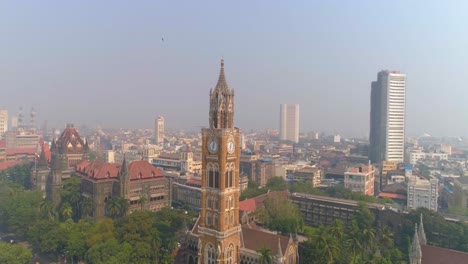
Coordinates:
66 152
142 185
218 236
422 253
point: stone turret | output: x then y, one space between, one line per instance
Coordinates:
415 249
421 233
124 179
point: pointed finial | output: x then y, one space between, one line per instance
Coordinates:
222 62
280 252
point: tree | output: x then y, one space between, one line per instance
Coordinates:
66 211
87 207
14 254
277 184
280 214
266 256
101 232
109 252
142 201
47 210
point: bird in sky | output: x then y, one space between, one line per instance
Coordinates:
162 39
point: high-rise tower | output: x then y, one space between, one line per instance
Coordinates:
387 117
3 122
289 122
219 226
159 130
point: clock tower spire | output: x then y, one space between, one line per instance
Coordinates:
219 226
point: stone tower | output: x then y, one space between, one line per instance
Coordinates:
219 226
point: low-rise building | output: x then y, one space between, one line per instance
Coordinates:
422 193
310 174
360 179
460 192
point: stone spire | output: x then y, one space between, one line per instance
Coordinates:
222 84
42 163
124 168
280 252
415 251
221 103
421 233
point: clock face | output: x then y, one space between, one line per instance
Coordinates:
230 146
213 146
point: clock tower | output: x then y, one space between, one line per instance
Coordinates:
219 228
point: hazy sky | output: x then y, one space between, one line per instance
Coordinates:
104 62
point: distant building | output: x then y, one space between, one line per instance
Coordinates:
310 174
159 130
321 210
289 122
415 156
360 179
3 122
387 117
422 193
22 140
187 192
337 138
258 170
460 192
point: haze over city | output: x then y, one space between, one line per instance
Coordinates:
112 64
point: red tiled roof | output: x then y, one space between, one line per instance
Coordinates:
248 205
392 195
70 142
16 151
258 239
2 144
142 169
8 164
252 204
437 255
194 182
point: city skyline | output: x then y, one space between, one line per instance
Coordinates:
72 64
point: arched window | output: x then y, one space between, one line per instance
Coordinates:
210 254
226 180
226 219
215 220
230 255
208 219
216 179
210 176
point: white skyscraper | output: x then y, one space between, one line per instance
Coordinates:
159 130
289 122
3 122
387 117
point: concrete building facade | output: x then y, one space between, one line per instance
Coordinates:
159 130
387 117
422 193
360 179
289 122
3 122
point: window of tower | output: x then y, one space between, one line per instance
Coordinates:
215 220
208 219
216 179
230 254
211 254
231 179
211 178
226 180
